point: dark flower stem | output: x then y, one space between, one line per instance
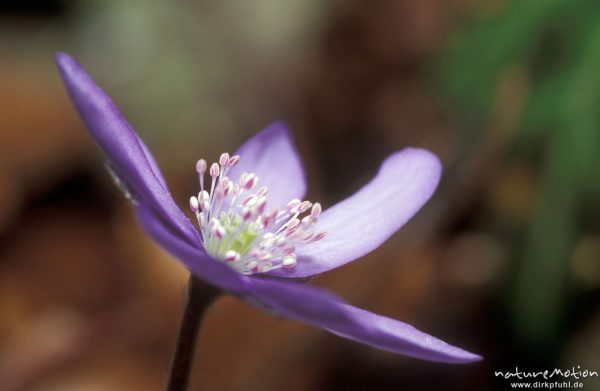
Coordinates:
200 297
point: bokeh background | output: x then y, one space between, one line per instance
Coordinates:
504 260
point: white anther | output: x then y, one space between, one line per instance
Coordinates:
280 241
292 226
203 196
224 159
225 182
214 170
253 266
218 231
319 236
249 181
268 240
250 200
231 256
270 218
194 204
234 160
247 213
315 212
289 261
204 200
308 237
293 204
201 166
304 206
262 191
223 188
261 205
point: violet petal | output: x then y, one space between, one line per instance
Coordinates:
361 222
194 258
127 155
272 156
322 309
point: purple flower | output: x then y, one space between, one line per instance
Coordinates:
243 239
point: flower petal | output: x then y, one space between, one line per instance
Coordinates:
322 309
127 155
152 162
194 258
272 156
361 222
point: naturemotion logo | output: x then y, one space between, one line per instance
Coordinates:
574 373
537 379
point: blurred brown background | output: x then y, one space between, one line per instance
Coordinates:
503 261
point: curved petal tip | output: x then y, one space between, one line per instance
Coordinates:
272 155
363 221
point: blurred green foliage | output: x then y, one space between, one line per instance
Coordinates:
556 45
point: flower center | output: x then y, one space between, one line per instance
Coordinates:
237 227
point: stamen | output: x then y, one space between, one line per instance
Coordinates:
201 169
289 261
204 201
224 159
262 191
231 256
194 204
214 170
293 205
320 235
249 181
304 206
250 200
241 230
217 229
315 211
201 166
234 160
214 173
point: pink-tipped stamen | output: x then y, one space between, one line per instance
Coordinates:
237 226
